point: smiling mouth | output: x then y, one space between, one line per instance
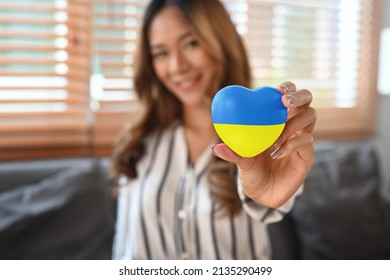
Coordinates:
188 84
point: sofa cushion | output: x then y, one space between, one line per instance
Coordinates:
341 214
68 215
20 173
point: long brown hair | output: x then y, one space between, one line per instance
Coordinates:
160 108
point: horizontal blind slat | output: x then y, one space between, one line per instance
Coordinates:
298 40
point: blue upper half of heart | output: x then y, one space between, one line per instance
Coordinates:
239 105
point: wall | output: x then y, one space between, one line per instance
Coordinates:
383 139
387 13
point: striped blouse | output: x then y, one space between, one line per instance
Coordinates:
167 212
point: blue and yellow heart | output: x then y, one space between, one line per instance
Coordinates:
248 121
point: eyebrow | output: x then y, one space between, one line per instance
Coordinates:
181 38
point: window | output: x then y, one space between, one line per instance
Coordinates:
44 69
66 67
328 46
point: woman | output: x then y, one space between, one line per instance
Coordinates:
177 200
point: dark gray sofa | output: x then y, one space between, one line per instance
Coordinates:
56 209
343 213
63 209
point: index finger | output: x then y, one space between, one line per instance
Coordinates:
301 97
286 87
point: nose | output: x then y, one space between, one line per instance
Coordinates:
178 62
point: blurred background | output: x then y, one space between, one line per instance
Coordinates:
383 131
66 69
66 92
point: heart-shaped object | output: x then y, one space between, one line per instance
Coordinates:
248 121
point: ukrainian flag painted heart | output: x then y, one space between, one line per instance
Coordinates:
248 121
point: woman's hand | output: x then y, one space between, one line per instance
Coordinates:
273 176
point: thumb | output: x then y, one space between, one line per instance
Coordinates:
222 151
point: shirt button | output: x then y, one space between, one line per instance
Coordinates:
181 214
122 180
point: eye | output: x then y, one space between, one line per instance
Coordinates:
159 54
191 44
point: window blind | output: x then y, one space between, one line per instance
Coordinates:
44 69
66 67
327 46
113 100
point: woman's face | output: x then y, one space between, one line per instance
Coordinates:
180 63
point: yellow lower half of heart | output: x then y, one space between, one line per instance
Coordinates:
249 140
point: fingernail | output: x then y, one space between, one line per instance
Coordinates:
212 149
278 153
279 142
291 99
285 88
